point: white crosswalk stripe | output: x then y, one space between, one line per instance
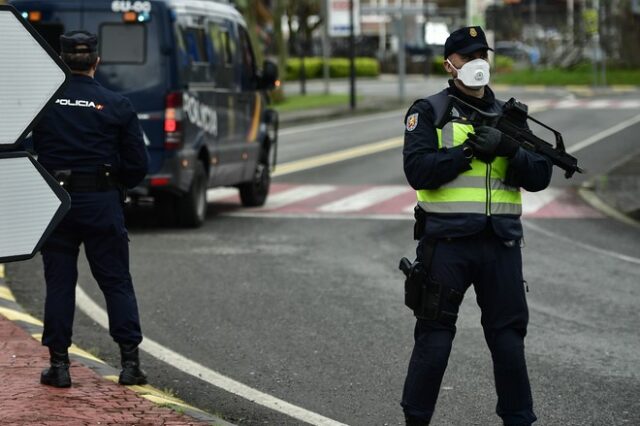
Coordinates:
534 201
566 104
218 194
296 194
381 202
363 199
631 104
600 104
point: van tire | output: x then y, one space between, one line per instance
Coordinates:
254 193
192 207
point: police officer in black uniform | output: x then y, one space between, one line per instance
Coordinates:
468 181
90 140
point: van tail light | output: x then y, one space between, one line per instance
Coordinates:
173 113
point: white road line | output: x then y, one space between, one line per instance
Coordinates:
534 201
201 372
630 104
601 104
344 122
604 134
296 194
220 194
569 103
312 215
410 208
363 199
585 246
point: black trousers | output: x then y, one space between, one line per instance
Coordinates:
494 267
97 221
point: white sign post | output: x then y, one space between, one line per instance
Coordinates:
338 17
32 75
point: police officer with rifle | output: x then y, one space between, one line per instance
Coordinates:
90 140
468 175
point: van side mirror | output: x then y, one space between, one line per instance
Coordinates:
269 76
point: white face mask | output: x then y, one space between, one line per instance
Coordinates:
474 74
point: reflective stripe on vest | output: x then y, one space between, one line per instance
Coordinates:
478 190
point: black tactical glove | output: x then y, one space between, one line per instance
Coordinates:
484 143
508 147
488 143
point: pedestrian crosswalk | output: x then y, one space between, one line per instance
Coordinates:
544 104
378 202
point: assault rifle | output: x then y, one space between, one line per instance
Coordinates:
512 122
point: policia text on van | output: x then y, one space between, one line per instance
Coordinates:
189 69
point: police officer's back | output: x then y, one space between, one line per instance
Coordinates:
90 140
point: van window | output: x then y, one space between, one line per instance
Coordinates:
197 51
194 43
220 57
130 54
229 48
217 58
248 62
122 43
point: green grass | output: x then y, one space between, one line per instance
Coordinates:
582 75
310 101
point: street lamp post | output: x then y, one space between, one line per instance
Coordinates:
352 57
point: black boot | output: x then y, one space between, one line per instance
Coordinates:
58 374
414 421
131 373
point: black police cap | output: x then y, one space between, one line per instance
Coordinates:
79 41
465 40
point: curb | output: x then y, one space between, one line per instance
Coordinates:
590 197
10 309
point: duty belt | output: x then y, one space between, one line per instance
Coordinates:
85 182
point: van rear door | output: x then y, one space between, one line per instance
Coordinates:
132 63
131 56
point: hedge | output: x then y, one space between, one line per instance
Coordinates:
338 67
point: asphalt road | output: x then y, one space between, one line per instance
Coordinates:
308 307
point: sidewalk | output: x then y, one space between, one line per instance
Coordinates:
94 398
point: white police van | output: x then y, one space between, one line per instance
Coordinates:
189 69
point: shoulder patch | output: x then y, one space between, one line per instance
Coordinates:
412 122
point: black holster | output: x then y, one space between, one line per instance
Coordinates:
421 292
425 296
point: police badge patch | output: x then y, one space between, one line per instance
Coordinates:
412 122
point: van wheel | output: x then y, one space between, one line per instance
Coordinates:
254 193
192 207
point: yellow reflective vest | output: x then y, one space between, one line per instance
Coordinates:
478 190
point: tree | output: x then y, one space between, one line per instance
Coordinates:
303 18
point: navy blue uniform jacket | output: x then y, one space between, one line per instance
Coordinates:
427 167
89 126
